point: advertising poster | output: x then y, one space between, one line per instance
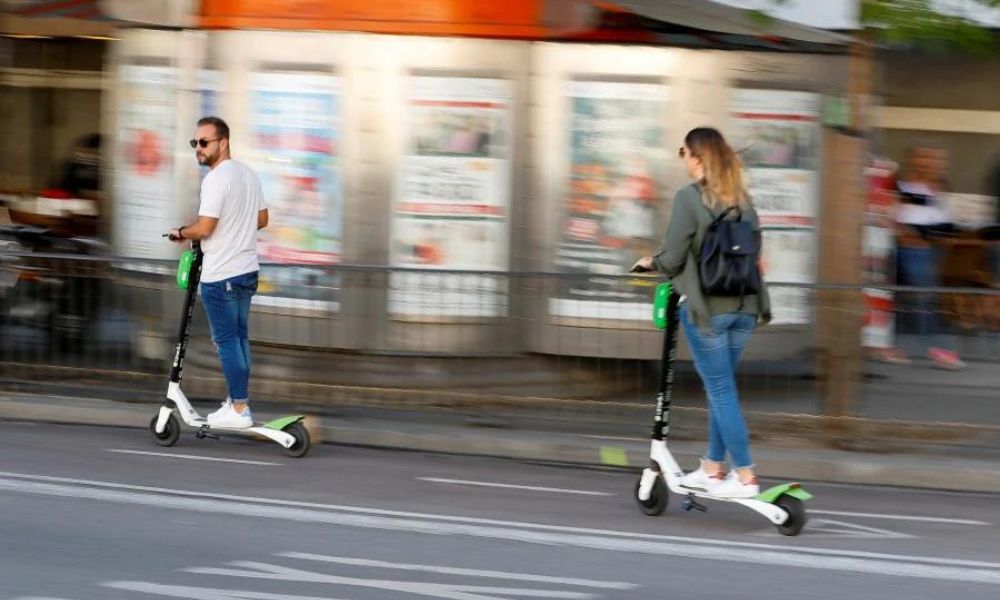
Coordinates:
789 256
777 134
209 93
144 202
295 129
878 244
452 200
612 212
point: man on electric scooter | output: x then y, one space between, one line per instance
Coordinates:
232 211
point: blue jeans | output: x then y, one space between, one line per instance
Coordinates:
716 353
227 306
919 267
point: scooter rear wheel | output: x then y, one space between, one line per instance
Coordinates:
171 431
658 498
302 440
796 515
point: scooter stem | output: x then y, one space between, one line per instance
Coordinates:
187 314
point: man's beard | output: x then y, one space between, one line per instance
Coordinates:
206 160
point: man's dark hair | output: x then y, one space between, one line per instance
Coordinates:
221 129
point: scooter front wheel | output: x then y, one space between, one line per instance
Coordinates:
796 515
171 431
302 440
658 498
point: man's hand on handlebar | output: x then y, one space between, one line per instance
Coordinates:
643 265
174 235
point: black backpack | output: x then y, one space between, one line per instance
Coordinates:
730 253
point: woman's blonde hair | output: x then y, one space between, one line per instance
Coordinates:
723 168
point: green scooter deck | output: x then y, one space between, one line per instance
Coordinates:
794 490
282 422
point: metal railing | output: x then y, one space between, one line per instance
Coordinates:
409 336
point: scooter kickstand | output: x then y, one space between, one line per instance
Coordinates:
689 502
203 433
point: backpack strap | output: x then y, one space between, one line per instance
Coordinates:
716 219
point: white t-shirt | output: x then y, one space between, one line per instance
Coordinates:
231 193
933 212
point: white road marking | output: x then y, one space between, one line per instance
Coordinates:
775 555
902 490
453 591
530 488
359 562
812 511
838 513
194 457
841 529
425 589
203 593
445 518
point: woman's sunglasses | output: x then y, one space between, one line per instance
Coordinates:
203 142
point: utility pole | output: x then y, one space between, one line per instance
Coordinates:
840 312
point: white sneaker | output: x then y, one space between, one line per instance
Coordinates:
699 478
732 487
226 405
228 417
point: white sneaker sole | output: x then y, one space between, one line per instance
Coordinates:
739 496
695 486
231 425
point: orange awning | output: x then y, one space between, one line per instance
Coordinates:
523 19
685 23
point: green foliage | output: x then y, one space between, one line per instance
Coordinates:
915 23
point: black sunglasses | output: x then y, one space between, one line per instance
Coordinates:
203 142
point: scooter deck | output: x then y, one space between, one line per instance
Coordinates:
203 422
702 493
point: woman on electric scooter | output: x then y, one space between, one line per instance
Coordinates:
717 327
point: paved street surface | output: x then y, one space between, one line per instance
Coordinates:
101 513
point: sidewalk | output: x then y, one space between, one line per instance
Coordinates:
524 435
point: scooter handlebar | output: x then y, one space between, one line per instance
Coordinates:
638 268
195 244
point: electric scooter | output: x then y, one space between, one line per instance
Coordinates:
782 505
287 431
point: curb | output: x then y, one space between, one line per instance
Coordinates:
888 434
826 466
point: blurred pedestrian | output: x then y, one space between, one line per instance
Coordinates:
921 218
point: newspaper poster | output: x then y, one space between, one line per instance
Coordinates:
452 197
612 212
295 129
777 134
144 199
789 257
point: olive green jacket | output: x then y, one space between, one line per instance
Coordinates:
678 260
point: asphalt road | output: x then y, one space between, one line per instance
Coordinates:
92 513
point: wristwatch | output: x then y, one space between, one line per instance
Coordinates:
180 232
